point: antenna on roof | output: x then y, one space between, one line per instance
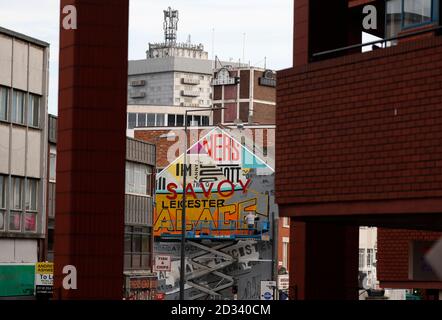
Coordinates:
170 26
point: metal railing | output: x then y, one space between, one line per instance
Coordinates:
383 42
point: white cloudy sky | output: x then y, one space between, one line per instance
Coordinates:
267 25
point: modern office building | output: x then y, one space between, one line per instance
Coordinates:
358 144
24 67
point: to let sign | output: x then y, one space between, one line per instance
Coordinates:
44 278
163 263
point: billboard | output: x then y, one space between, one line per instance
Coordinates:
225 183
17 280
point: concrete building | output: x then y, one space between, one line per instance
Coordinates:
24 67
358 144
140 282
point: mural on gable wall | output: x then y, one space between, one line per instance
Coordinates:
225 181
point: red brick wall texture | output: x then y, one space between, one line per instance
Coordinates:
362 127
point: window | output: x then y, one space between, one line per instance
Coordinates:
18 107
2 202
409 13
138 178
52 167
15 221
361 258
31 195
286 222
416 12
150 120
197 120
137 247
370 257
17 193
30 222
142 120
2 192
171 120
34 110
205 121
4 98
160 120
180 120
285 252
132 120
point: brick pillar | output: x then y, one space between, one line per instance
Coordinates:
323 261
91 149
300 34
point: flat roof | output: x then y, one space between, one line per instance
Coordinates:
23 37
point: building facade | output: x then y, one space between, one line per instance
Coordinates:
358 141
248 95
24 67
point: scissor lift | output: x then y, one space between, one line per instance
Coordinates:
203 262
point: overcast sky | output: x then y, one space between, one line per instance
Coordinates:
267 25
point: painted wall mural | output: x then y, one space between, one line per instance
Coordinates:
225 182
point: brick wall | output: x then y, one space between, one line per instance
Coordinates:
362 127
393 252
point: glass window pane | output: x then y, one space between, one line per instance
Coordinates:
132 121
35 111
171 120
417 12
127 261
136 243
52 166
136 261
127 243
151 120
145 247
4 97
31 193
2 192
30 222
205 121
160 120
17 190
18 107
180 120
2 220
15 221
145 260
197 119
141 120
394 18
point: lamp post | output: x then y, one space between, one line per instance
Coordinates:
183 213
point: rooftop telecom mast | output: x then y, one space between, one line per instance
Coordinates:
170 26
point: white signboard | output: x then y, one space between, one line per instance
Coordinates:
162 263
283 282
268 290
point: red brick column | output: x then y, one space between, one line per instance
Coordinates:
91 149
323 261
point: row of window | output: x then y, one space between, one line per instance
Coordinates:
25 108
367 258
141 120
23 197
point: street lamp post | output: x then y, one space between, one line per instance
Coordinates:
183 212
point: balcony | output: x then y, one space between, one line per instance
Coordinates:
190 81
190 93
